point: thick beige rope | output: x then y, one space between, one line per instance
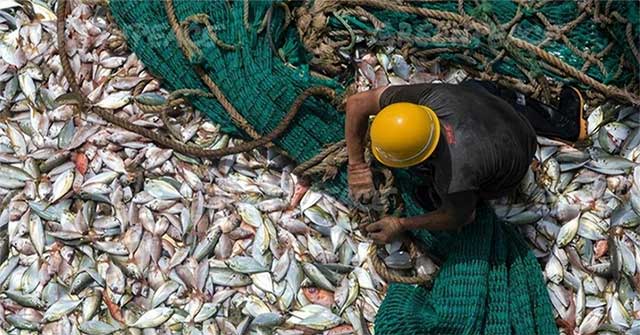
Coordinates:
158 138
311 27
188 48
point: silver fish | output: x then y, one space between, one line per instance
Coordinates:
161 189
36 233
352 293
250 214
153 318
115 100
315 317
568 231
246 265
317 277
226 277
97 327
62 185
207 311
60 309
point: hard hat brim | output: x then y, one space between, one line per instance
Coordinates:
419 158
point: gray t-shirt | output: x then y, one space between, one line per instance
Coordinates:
485 145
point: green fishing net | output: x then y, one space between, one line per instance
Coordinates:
490 282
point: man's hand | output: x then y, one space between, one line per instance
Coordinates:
456 211
361 186
385 230
359 108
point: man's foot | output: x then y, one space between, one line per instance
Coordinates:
571 110
564 121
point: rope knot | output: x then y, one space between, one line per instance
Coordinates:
554 32
205 20
498 39
303 19
191 50
319 22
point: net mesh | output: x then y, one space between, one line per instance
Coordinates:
260 54
591 44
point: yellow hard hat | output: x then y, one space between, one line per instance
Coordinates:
404 134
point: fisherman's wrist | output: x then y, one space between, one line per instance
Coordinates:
358 166
405 224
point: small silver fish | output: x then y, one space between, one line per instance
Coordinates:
161 189
115 100
62 185
153 318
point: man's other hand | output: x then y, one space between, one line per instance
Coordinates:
361 186
385 230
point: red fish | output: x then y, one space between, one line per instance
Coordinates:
319 296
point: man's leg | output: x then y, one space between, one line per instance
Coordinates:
564 122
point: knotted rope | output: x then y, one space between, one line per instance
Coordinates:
316 37
189 49
162 140
392 276
326 162
382 204
204 20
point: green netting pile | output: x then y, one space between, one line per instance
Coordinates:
594 43
490 282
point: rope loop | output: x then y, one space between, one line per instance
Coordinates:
532 58
162 106
382 203
205 20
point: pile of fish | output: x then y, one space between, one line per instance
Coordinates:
579 209
102 232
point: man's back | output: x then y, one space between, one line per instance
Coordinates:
486 146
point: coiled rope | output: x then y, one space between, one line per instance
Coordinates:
326 161
381 205
312 27
108 115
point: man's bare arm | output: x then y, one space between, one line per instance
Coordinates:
358 108
456 211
